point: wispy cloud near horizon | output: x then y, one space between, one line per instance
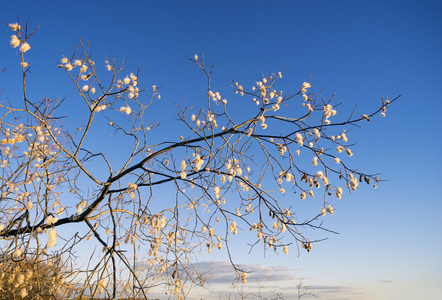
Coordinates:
223 272
265 281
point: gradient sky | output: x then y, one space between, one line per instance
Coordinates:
390 240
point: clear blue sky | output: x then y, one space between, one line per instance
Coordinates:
390 240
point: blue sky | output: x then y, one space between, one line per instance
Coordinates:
389 243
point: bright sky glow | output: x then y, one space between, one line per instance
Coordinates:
389 244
